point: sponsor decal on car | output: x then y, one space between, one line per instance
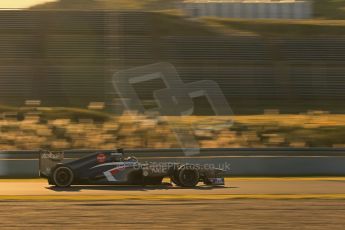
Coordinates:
216 181
101 158
111 174
53 156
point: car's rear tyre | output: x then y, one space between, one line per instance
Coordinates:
63 176
188 176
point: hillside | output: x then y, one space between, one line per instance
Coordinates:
146 5
329 15
323 9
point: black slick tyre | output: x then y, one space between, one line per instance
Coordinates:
188 176
62 176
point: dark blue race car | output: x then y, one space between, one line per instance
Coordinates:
112 168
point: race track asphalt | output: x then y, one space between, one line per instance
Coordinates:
235 188
244 203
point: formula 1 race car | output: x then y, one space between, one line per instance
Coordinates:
112 168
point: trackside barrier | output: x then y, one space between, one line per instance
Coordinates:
240 161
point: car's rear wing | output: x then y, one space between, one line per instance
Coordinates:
48 160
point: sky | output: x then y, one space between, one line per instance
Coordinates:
20 4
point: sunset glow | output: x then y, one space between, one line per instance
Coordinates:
21 4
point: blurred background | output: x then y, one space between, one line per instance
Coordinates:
280 65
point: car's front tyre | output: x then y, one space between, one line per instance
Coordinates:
188 176
62 176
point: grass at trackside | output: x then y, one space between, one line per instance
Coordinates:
265 130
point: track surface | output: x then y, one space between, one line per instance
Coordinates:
281 203
206 214
234 188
